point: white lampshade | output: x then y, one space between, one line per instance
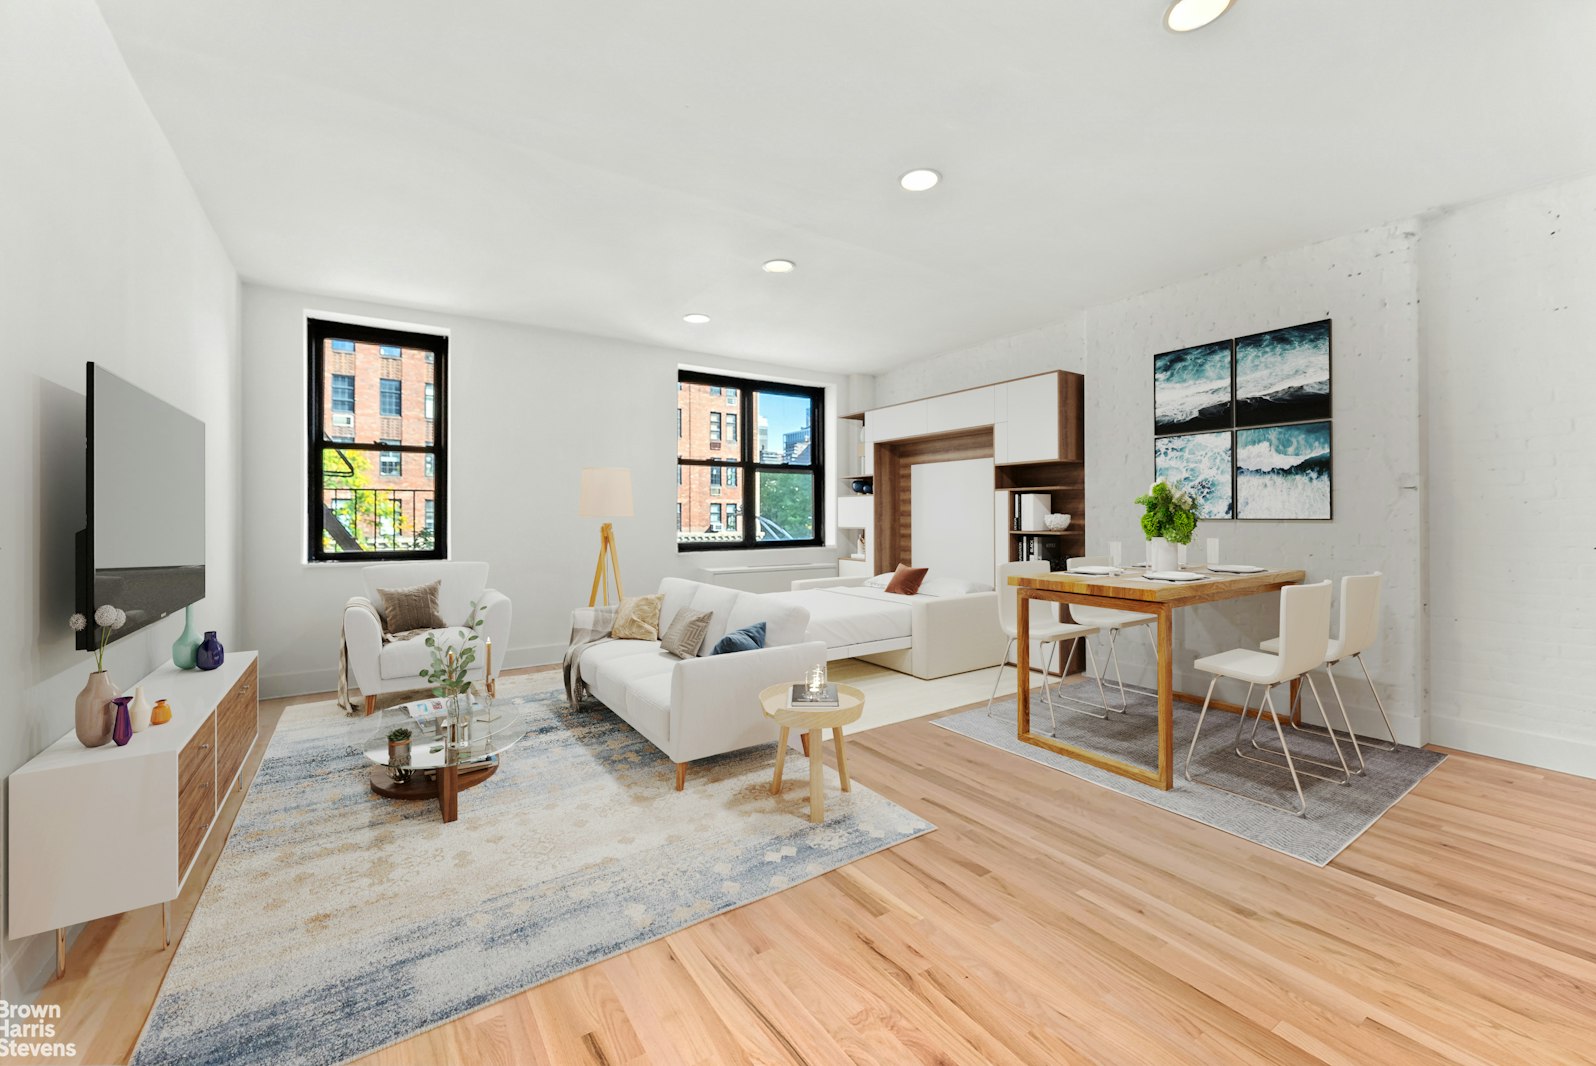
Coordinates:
606 492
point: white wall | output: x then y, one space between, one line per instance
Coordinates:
1367 283
1508 319
107 257
530 408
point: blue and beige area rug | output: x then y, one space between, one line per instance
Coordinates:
338 922
1336 814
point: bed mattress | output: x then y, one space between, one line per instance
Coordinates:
844 617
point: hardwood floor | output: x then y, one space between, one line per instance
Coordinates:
1050 921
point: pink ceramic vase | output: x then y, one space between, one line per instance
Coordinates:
93 718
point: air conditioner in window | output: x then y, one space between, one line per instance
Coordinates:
714 490
343 418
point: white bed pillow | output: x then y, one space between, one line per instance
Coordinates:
951 586
880 581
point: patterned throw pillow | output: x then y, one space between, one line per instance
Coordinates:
637 618
406 610
685 635
906 582
748 638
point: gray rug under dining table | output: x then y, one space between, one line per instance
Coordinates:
1336 814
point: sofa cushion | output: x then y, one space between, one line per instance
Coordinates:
648 707
685 635
785 623
637 618
611 675
407 658
719 602
678 593
749 638
408 609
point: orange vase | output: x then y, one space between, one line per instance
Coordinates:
161 713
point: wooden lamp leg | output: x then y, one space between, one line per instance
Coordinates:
608 560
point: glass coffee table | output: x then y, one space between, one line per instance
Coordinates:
439 767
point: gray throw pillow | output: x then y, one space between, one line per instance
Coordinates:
405 610
685 635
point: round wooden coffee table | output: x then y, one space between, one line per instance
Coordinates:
775 701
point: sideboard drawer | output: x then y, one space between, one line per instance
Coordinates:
236 726
196 792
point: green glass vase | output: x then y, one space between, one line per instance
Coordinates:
186 646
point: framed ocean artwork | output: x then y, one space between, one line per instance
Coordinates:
1192 389
1283 375
1201 464
1283 471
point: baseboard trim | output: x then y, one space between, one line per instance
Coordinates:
1560 754
310 682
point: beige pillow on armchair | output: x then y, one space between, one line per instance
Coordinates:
637 618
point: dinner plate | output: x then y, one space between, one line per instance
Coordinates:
1174 576
1237 568
1095 571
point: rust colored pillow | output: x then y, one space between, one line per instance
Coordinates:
906 582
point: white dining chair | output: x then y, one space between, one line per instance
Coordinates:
1045 627
1110 621
1356 631
1304 634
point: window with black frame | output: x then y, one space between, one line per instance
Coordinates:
750 463
377 416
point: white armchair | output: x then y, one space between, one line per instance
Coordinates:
379 668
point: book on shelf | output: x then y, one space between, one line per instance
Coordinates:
1031 509
802 699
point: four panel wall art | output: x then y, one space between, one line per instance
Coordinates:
1244 424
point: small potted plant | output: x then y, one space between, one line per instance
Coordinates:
1169 517
399 747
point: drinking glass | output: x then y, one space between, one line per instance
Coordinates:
1116 552
1211 545
816 680
1180 556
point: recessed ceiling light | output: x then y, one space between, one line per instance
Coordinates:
919 180
695 319
1183 16
779 266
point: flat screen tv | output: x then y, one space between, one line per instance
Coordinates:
143 549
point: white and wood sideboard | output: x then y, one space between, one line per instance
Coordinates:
99 831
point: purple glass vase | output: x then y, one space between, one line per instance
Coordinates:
122 731
208 656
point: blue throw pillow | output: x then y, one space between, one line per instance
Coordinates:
748 638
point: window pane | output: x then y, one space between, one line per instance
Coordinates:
700 426
363 390
784 422
343 346
731 428
701 506
366 509
428 402
388 351
785 506
392 398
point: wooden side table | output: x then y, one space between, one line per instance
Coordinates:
813 722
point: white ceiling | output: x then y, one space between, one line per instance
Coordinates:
608 167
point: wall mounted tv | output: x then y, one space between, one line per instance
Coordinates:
144 546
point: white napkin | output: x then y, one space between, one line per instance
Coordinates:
1236 568
1173 575
1094 571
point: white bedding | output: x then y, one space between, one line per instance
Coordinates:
843 617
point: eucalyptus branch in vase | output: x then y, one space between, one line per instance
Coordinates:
452 659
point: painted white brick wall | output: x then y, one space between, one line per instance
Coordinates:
1508 320
1367 284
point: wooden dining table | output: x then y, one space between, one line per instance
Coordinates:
1129 591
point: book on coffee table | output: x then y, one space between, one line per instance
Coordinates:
802 700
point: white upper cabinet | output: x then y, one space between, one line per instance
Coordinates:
960 410
897 422
1032 410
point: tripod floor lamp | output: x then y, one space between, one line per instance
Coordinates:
606 493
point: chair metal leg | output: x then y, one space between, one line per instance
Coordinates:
1378 702
1302 803
1070 702
1346 720
1341 764
1047 694
998 680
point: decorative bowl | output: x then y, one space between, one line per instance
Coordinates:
1056 522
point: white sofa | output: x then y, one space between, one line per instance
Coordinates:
694 708
947 634
379 668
